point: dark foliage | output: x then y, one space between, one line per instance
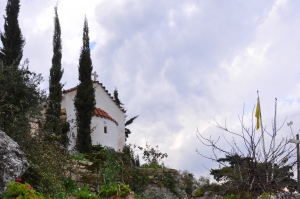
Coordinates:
13 42
128 122
48 161
249 169
189 181
20 110
20 98
85 97
65 128
53 111
116 98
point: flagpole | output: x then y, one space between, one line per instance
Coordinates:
262 131
274 135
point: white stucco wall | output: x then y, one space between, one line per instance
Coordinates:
116 133
105 139
105 102
68 104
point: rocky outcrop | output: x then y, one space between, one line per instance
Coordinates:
283 195
154 192
13 162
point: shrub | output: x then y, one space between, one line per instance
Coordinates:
85 193
48 161
115 189
231 196
70 185
19 190
80 156
266 195
124 190
151 165
242 195
199 193
108 190
152 155
61 195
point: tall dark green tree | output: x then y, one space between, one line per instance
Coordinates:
53 111
85 97
21 95
13 42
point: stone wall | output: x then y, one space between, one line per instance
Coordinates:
77 171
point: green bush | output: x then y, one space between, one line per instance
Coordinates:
124 190
199 193
108 190
266 195
48 161
70 185
151 165
115 189
231 196
19 190
80 156
84 193
61 195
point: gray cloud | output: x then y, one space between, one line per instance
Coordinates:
179 65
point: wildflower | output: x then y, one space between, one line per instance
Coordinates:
18 179
30 187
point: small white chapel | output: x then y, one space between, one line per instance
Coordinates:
108 121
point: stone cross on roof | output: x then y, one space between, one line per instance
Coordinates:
95 75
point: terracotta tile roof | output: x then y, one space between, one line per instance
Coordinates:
98 112
75 88
69 90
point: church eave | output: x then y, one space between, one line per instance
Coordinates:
75 88
98 112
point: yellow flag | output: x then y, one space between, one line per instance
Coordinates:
257 115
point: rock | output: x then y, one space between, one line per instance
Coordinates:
207 193
217 197
13 162
283 195
296 195
154 192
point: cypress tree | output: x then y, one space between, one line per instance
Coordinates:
53 111
116 98
20 95
85 97
12 39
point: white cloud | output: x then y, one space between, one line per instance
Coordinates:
190 9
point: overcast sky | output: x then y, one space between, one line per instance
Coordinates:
178 64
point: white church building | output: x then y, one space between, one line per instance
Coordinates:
108 121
